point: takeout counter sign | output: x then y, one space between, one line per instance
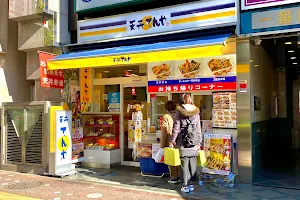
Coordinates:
193 68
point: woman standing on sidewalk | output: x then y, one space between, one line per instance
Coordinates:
166 135
187 136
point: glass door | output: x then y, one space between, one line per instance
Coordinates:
132 96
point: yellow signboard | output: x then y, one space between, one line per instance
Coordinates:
86 89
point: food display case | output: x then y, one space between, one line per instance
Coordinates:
101 140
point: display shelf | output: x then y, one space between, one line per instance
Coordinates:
99 125
101 130
91 136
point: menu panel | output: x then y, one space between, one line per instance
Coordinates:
217 149
224 110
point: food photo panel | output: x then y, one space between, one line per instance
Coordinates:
161 70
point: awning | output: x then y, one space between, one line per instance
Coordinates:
204 46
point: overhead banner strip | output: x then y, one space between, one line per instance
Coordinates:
129 59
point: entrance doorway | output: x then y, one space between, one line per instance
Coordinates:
133 94
275 114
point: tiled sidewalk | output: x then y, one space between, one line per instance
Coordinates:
124 183
57 189
131 177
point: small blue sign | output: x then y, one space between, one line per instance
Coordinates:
114 101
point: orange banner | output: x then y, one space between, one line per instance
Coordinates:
86 89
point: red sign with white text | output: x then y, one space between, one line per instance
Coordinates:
50 78
193 87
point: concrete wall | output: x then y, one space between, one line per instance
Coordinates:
15 67
13 61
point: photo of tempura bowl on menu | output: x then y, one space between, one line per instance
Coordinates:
144 152
189 69
161 71
220 67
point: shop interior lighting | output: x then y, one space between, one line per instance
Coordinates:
295 63
129 70
291 51
256 65
288 42
106 71
293 58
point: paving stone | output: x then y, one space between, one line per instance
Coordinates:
268 194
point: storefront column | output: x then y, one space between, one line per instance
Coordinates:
244 112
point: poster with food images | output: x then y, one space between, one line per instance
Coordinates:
193 68
189 68
144 150
220 66
133 131
161 70
206 67
224 110
217 148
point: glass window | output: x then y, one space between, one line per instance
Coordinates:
205 104
158 109
120 71
107 98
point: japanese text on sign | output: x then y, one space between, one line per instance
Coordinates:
276 18
86 89
148 22
63 141
50 78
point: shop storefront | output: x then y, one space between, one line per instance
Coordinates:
134 73
272 35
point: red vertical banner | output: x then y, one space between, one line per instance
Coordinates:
50 78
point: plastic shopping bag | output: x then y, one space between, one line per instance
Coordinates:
172 156
159 156
201 158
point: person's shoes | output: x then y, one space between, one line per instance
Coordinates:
174 181
194 178
191 187
185 189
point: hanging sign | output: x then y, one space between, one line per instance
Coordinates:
50 78
252 4
280 19
189 85
86 89
196 15
63 153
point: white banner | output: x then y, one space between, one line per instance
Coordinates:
63 153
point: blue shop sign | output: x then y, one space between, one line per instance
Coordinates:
114 101
273 20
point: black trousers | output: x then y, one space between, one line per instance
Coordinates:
189 168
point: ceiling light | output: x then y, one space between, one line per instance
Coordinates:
288 42
291 51
256 65
106 71
298 42
295 63
293 58
129 70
